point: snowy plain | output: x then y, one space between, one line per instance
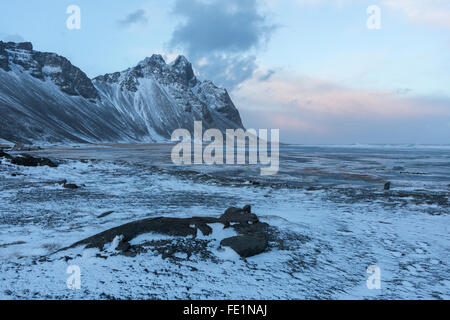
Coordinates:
330 208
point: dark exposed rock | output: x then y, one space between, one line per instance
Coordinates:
123 246
62 182
5 155
204 228
105 214
260 228
70 186
69 78
252 239
237 215
29 161
168 226
387 186
246 246
247 209
11 244
4 59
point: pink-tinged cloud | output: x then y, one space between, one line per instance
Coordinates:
328 111
291 123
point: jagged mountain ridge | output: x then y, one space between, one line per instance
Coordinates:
44 98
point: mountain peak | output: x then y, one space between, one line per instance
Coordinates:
180 60
28 46
155 59
183 69
47 66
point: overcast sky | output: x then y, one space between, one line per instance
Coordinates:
311 68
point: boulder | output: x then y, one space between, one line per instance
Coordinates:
246 246
29 161
258 228
252 239
238 215
176 227
387 186
70 186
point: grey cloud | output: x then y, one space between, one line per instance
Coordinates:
138 16
224 33
229 71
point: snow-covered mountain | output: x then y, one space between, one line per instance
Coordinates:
44 98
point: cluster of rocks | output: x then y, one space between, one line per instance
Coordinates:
27 160
252 239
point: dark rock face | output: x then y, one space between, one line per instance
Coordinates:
202 100
183 69
252 239
4 60
69 78
143 103
29 161
246 246
153 67
41 65
387 186
212 95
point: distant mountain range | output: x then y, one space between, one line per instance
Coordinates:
45 99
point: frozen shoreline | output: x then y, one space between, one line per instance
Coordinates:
334 233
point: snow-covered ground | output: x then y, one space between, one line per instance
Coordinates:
332 235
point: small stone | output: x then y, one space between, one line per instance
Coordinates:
70 186
107 213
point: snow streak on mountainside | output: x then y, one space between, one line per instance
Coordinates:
44 98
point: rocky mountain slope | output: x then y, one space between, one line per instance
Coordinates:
45 99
